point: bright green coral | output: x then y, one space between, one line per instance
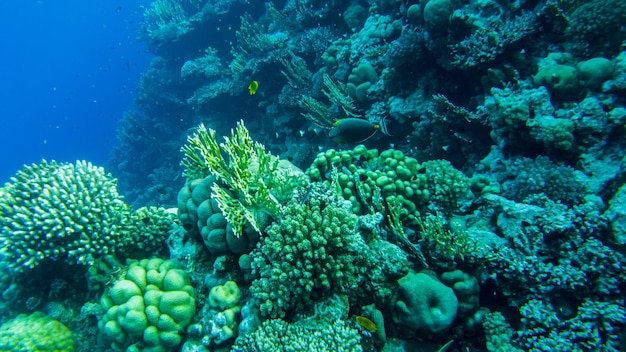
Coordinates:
248 179
60 211
149 228
148 306
35 333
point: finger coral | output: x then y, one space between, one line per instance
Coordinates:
313 252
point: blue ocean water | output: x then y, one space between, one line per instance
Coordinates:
68 69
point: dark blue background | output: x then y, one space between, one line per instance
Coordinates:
68 71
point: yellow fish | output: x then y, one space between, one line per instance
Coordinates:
252 88
366 323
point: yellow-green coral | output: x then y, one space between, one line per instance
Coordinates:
365 175
304 335
248 179
436 236
35 333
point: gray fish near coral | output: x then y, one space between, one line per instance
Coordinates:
354 130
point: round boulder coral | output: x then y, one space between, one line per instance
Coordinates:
424 305
148 306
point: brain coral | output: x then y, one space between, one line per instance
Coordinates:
60 211
35 332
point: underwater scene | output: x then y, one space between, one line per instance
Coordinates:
342 175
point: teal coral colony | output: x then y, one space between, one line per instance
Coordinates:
490 214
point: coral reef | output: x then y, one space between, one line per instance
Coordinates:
489 215
248 181
327 330
73 213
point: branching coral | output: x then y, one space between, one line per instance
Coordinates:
313 252
61 211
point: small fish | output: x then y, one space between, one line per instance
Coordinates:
145 220
366 323
252 88
354 130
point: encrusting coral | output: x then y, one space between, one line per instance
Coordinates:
35 332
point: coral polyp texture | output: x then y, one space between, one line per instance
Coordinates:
367 178
60 211
464 184
35 332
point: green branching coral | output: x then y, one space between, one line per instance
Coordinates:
313 252
149 228
326 329
364 175
248 179
440 241
60 211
